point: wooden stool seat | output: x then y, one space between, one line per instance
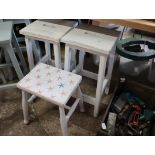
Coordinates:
45 31
50 83
89 40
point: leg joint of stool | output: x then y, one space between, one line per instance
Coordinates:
72 109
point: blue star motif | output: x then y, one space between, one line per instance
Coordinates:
61 85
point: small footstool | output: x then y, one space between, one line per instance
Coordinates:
54 85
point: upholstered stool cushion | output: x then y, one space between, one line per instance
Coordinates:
50 83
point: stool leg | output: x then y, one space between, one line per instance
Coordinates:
2 77
101 73
57 55
110 69
81 99
8 61
35 44
19 52
29 53
14 61
79 67
25 107
63 121
81 59
67 63
73 58
48 50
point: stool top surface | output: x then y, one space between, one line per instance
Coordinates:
5 32
61 22
99 29
89 40
50 83
45 30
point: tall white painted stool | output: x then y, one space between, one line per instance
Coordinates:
49 33
97 41
54 85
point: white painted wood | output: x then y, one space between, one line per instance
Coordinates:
50 83
81 59
73 58
5 32
25 107
29 53
45 30
79 93
67 63
44 59
101 75
31 98
89 99
63 121
105 82
19 52
89 40
109 73
48 49
72 109
57 55
79 67
8 86
95 43
89 74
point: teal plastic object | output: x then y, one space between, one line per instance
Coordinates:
147 115
139 56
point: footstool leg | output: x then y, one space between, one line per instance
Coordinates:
25 107
63 121
101 73
57 55
67 63
81 100
29 53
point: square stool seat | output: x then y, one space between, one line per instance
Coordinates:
96 42
5 32
50 83
45 30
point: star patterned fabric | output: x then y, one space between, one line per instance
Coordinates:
51 83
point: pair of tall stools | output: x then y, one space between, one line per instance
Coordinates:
56 85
